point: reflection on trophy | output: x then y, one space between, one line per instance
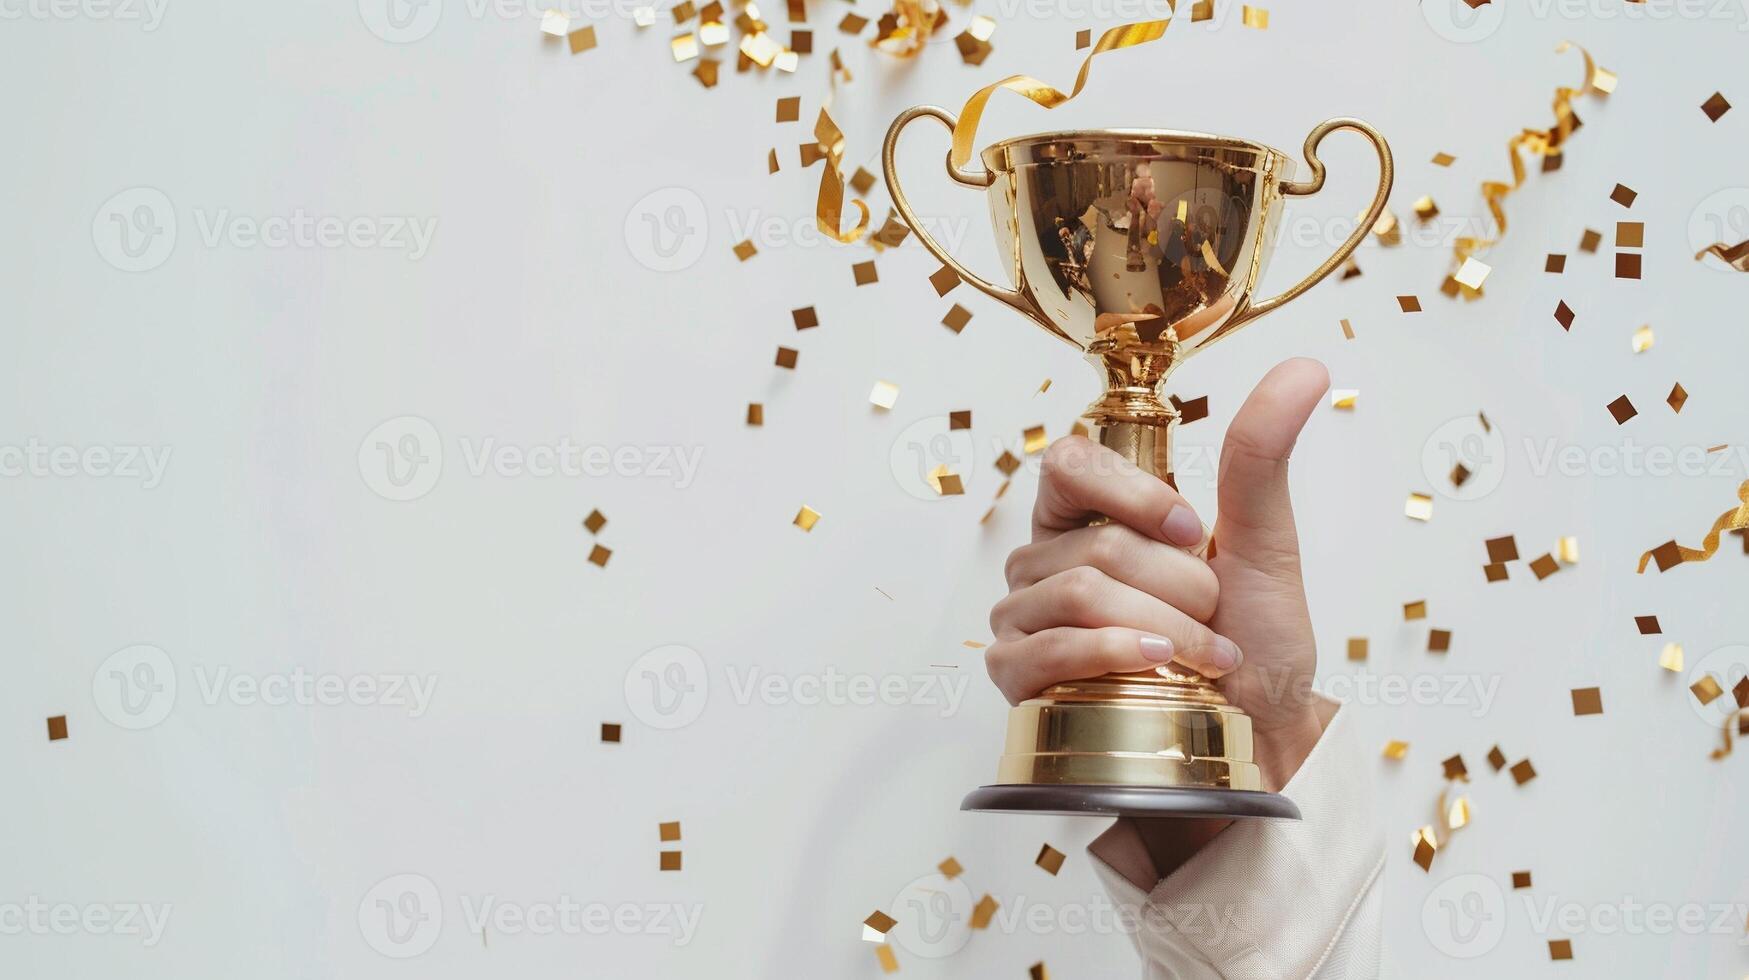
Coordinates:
1141 248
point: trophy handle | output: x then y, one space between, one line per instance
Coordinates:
1301 188
966 178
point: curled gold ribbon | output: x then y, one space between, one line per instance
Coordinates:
1736 256
829 203
1125 36
1739 720
1734 519
1542 142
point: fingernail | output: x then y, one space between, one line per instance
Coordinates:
1226 655
1182 527
1157 648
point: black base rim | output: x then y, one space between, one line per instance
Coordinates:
1081 800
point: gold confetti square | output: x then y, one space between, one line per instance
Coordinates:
1419 507
1622 409
670 861
801 42
1589 241
1443 159
755 413
1715 106
1502 549
1035 440
683 11
1395 750
1623 195
789 108
1523 772
1050 859
1083 38
1409 304
806 518
786 357
944 280
1425 209
862 181
1544 567
1460 474
610 731
1564 315
644 16
1007 463
1350 269
1560 949
554 24
1256 18
865 273
1647 625
810 154
883 395
1567 550
1414 610
1521 879
1644 339
745 250
1630 234
1347 330
877 925
1495 572
1472 274
1677 398
1670 658
57 728
1037 971
1555 263
706 72
959 420
852 24
1454 768
1627 265
1202 10
888 959
1357 648
1740 694
1587 701
1438 641
582 39
1344 398
805 318
950 869
983 912
1424 848
595 521
668 830
1194 410
1496 758
599 556
948 484
771 166
684 47
1706 690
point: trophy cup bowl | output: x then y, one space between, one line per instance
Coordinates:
1140 248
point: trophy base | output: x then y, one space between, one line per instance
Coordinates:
1088 800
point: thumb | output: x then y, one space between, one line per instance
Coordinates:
1255 520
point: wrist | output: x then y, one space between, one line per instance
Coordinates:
1283 747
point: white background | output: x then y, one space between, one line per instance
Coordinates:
534 316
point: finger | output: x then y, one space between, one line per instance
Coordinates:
1023 667
1166 572
1089 599
1256 516
1082 480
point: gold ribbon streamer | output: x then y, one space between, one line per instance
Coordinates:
1126 36
1542 142
829 203
1738 719
1736 256
1735 519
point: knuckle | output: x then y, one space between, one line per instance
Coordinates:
1081 587
1063 458
1108 547
1011 569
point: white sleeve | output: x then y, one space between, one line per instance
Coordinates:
1274 899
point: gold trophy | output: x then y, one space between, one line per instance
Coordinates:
1141 248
